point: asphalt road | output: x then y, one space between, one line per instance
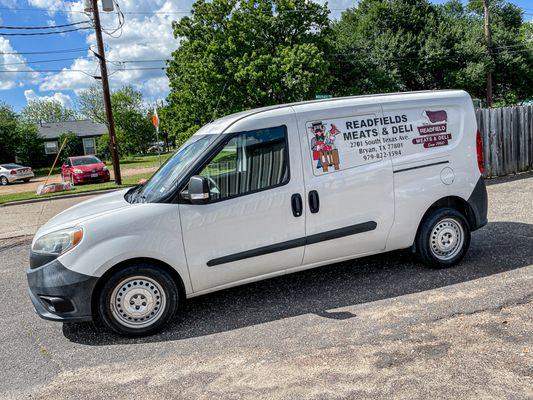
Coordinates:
379 327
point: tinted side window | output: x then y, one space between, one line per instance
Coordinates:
249 162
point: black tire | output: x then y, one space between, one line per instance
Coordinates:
3 181
441 228
140 277
26 180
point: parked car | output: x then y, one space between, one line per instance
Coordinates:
84 169
267 192
10 173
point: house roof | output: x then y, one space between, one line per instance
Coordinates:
52 130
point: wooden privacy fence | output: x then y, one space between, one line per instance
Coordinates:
507 136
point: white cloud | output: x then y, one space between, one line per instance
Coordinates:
70 78
62 98
12 62
145 36
46 4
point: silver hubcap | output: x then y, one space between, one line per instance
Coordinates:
446 239
138 302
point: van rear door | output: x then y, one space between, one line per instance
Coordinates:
348 180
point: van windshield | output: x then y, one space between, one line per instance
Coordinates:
164 180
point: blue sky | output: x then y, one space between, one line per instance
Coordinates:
146 36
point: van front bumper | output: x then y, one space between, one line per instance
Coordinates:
59 294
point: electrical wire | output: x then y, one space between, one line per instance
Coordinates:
43 61
45 33
79 70
74 50
45 27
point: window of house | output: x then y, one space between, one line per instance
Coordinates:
89 146
249 162
51 147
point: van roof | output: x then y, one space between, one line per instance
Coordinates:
221 124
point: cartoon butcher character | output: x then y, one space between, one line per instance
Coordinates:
329 142
318 141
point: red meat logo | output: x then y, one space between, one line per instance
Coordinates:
433 133
436 116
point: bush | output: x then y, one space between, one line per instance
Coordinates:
102 147
30 150
72 145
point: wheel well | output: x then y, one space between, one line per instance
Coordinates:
164 266
456 203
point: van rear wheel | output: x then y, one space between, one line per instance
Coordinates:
443 238
138 300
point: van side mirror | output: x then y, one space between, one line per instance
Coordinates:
199 190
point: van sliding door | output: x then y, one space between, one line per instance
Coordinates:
348 180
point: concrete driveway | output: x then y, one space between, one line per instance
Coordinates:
380 327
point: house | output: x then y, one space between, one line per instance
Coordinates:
86 130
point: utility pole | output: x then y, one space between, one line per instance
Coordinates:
107 95
489 48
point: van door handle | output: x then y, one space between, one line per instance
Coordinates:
297 204
314 202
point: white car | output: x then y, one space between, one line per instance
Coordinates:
10 173
263 193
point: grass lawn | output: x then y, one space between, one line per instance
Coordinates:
128 162
132 162
126 182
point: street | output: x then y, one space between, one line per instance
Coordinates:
379 327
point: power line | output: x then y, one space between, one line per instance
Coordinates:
45 33
79 70
74 50
45 27
43 61
508 49
182 11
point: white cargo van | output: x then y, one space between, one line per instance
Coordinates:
264 193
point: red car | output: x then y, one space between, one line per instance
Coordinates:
84 169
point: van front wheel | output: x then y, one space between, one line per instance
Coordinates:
443 238
138 300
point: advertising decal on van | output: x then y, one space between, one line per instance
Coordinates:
433 133
348 142
323 145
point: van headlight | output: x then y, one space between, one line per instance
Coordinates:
59 242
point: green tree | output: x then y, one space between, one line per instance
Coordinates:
9 138
412 44
235 55
135 134
102 147
72 145
90 104
42 111
30 149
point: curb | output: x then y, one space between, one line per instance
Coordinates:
65 196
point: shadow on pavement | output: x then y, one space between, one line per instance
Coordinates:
498 247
